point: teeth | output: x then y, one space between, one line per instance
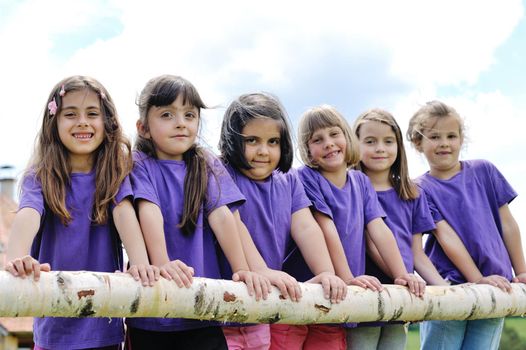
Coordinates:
82 136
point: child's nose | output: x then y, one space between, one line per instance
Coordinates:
262 150
179 121
83 120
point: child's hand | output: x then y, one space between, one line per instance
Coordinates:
287 285
416 285
334 288
148 274
24 266
496 281
366 281
179 272
520 278
256 283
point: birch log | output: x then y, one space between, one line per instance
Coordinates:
89 294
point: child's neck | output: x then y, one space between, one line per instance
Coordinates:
379 180
446 174
81 164
338 177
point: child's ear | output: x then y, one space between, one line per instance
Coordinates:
141 129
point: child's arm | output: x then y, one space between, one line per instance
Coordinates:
309 239
460 257
512 240
130 233
338 258
423 265
223 223
384 240
23 231
375 255
151 223
287 285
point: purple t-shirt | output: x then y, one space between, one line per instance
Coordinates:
351 208
267 213
162 183
405 218
470 202
81 245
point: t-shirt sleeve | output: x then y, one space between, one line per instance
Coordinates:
32 195
433 209
422 219
372 207
299 197
125 191
505 193
221 189
312 185
141 182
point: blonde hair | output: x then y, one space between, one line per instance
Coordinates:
399 171
419 122
325 116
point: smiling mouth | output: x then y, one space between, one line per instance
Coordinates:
83 136
332 154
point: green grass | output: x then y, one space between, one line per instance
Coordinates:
513 323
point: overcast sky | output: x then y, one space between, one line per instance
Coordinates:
354 55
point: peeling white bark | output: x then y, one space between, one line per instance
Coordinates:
90 294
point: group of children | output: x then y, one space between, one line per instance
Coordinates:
180 211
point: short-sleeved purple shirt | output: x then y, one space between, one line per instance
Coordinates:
351 208
81 245
470 202
162 183
267 213
405 218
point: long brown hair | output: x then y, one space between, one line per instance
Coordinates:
50 161
162 91
399 171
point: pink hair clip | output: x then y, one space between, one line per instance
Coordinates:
52 106
102 95
62 91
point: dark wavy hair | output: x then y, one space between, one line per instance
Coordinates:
163 91
239 113
50 161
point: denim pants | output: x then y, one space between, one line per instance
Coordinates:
465 335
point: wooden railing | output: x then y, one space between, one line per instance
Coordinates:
90 294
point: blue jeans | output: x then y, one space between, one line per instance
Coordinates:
465 335
388 337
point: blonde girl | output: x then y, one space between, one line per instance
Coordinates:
345 203
476 237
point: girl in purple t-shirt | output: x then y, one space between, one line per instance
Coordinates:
74 195
383 160
257 148
346 205
476 237
184 198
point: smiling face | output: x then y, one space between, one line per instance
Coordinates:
262 147
378 147
172 128
80 126
441 145
327 147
